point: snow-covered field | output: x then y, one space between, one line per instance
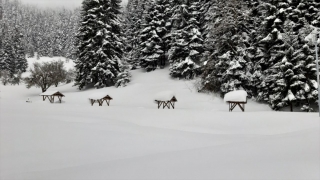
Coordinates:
132 139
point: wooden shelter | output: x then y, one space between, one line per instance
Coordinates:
166 99
50 96
100 98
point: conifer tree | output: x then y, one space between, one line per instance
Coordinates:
20 64
187 43
134 20
152 36
13 60
229 67
271 45
100 44
295 75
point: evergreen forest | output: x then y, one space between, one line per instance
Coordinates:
265 47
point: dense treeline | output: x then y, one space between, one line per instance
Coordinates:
259 46
45 32
263 47
26 31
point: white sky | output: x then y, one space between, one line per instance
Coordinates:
57 3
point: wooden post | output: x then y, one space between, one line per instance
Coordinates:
159 104
232 105
92 101
172 104
60 98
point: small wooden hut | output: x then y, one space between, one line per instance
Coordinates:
51 94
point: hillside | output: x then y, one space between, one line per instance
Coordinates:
132 139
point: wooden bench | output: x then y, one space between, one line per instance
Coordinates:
234 98
50 96
166 99
100 98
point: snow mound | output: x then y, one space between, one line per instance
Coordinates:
49 93
164 95
98 95
239 95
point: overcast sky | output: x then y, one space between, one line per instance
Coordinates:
57 3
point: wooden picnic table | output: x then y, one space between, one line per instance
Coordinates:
100 98
166 99
234 98
50 96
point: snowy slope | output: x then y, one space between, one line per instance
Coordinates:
132 139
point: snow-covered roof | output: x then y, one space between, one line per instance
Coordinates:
98 95
50 93
165 96
237 96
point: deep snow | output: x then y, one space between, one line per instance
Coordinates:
132 139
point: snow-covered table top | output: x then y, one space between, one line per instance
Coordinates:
236 96
50 93
164 96
98 95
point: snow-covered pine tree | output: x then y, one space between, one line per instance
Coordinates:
254 52
13 60
271 44
282 76
296 74
134 15
100 44
48 32
304 13
229 68
20 61
130 18
286 54
310 9
136 20
187 43
152 36
2 36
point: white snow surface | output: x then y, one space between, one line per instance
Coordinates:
238 95
98 95
164 95
133 139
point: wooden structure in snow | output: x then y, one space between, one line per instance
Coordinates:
235 98
50 96
166 99
100 98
